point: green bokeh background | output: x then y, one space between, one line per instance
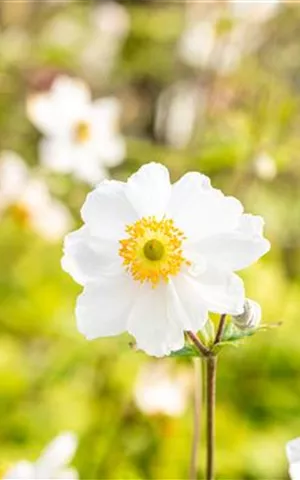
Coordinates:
51 378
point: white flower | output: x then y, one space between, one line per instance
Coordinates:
158 391
250 317
29 200
177 110
155 257
52 464
80 135
293 455
111 18
197 43
204 44
110 24
255 11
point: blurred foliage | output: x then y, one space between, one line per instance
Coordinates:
51 379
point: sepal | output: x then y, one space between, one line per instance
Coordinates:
233 336
207 333
186 351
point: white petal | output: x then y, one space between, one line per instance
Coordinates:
86 257
185 305
84 161
107 142
197 44
35 193
56 155
88 167
46 116
48 217
155 332
70 91
52 221
253 11
200 210
149 190
107 211
103 307
23 470
56 455
111 19
222 292
52 112
294 471
233 250
251 224
111 150
251 316
186 189
13 176
293 450
177 111
105 116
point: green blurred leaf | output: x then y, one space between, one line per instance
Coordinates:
207 334
187 351
221 345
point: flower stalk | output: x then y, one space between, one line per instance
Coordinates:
210 358
198 344
197 419
220 329
211 369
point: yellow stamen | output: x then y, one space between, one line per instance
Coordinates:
82 132
153 250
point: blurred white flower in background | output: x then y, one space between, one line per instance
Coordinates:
197 43
201 45
110 23
154 258
250 317
111 19
219 38
293 455
28 199
255 10
159 390
178 108
81 136
52 464
265 166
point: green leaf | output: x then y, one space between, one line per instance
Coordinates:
234 334
221 345
207 334
186 351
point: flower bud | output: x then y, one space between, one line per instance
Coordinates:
251 316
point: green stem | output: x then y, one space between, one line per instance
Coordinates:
211 368
220 329
197 342
197 419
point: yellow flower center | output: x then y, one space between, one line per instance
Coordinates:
20 213
82 132
153 250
